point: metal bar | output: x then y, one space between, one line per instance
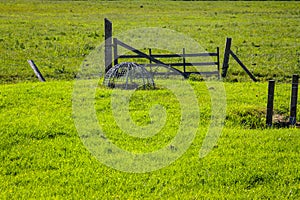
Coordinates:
294 99
36 70
271 89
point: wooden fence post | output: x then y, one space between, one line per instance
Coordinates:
271 89
36 70
108 44
294 98
226 57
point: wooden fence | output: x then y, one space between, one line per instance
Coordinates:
179 67
112 57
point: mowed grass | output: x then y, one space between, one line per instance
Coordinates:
42 155
58 35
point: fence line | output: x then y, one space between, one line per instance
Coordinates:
153 59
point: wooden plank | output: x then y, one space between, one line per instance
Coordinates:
150 54
187 73
218 61
164 73
197 64
150 62
183 60
211 54
204 73
294 99
243 66
172 55
36 70
108 44
131 56
116 56
271 89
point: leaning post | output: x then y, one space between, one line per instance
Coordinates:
36 71
271 89
243 66
294 98
108 44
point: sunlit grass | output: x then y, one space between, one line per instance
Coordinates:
42 155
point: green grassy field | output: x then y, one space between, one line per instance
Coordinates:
42 155
58 35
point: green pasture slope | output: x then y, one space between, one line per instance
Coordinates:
42 155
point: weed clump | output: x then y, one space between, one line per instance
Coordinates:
247 116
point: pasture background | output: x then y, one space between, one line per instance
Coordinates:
58 35
41 155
